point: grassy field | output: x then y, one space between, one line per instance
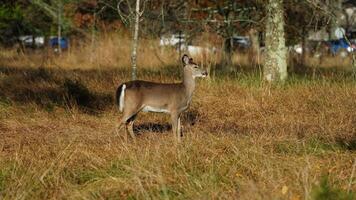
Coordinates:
242 139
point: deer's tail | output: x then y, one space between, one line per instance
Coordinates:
120 96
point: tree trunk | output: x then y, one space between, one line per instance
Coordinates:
303 57
335 7
59 26
135 41
254 51
93 55
229 42
275 66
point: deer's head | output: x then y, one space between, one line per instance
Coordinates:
192 68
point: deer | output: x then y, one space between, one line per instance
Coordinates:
173 98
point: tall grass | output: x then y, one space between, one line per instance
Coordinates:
110 51
114 50
242 139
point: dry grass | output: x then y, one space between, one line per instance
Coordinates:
331 62
110 50
114 50
243 140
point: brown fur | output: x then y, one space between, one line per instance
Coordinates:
173 98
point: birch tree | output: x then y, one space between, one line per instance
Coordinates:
135 41
59 24
54 9
131 17
275 66
335 7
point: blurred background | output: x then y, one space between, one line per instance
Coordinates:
226 35
61 62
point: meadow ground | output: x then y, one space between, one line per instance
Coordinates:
242 139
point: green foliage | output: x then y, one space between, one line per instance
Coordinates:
325 191
21 19
11 23
302 16
40 23
8 14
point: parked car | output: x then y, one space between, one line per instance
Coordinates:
240 43
172 40
64 43
196 50
337 46
340 47
32 41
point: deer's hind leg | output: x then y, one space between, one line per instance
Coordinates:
128 119
129 126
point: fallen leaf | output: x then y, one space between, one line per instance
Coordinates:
284 190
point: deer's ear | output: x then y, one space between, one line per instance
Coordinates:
185 59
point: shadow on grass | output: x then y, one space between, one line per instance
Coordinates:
316 146
49 88
152 127
189 117
347 144
71 88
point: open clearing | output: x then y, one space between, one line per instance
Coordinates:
242 139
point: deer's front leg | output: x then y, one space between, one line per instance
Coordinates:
175 123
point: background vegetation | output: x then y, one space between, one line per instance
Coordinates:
243 138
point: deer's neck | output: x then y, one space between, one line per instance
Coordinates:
189 84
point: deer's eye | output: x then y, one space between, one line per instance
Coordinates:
196 67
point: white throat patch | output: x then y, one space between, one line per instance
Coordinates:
200 75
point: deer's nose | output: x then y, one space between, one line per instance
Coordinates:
205 73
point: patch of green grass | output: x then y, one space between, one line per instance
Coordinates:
325 191
88 176
118 168
168 193
313 146
5 104
7 171
4 101
84 176
3 178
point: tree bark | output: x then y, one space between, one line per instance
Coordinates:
302 65
59 27
229 43
135 42
275 66
254 51
335 7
